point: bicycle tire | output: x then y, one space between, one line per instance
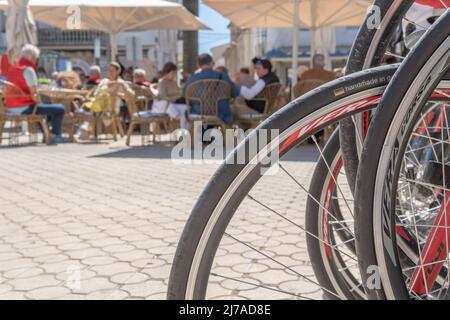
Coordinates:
230 184
325 174
367 52
405 96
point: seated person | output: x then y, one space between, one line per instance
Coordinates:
95 76
169 96
156 78
139 78
244 79
69 80
127 75
317 72
222 69
206 65
263 68
22 96
115 87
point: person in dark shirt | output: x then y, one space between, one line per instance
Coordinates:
206 65
263 68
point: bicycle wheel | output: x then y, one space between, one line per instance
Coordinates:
370 46
232 214
368 50
402 192
332 270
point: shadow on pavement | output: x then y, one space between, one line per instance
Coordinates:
308 153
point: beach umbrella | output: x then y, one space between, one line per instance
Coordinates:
20 27
296 14
113 16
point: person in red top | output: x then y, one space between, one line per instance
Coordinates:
139 78
22 96
4 64
95 76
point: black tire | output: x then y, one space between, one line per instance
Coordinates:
231 183
325 262
368 52
411 87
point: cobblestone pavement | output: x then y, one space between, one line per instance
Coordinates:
113 216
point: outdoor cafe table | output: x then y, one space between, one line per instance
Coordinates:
62 95
66 97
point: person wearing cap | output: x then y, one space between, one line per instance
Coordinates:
206 65
263 69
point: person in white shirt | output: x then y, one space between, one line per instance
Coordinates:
263 68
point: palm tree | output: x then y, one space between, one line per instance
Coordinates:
190 40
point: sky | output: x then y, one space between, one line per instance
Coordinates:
219 33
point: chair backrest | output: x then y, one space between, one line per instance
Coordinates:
142 95
2 102
113 90
142 91
69 79
90 87
18 92
269 95
208 93
304 86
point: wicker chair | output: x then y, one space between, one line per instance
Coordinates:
207 94
68 99
149 123
16 120
143 96
98 119
269 96
304 86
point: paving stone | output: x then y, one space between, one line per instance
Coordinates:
98 260
131 256
145 288
5 288
31 283
119 248
113 268
17 263
51 258
94 284
129 278
47 293
148 263
20 273
85 253
12 295
89 212
108 294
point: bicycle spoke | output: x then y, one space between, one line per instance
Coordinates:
332 175
305 190
282 264
303 229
